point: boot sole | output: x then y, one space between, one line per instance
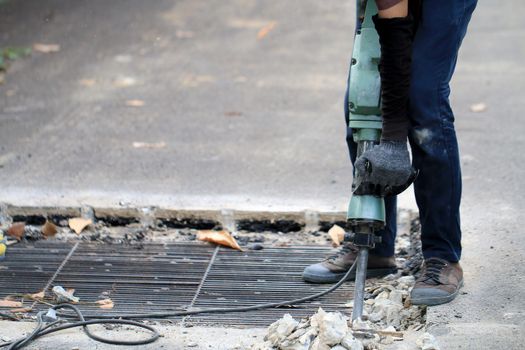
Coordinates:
431 301
336 277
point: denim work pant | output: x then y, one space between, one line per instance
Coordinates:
432 137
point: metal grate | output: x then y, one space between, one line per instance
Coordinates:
162 277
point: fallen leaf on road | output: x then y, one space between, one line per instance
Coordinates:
135 103
263 32
11 92
149 145
87 82
38 296
105 304
124 81
22 309
337 234
197 80
79 224
46 48
478 107
184 34
233 114
49 229
17 230
10 303
247 23
218 237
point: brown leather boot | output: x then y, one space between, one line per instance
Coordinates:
439 282
334 267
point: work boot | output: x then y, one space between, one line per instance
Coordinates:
439 282
333 268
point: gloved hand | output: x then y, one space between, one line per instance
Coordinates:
388 164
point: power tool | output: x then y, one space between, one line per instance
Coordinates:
366 211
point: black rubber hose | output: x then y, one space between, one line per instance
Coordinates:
41 329
229 309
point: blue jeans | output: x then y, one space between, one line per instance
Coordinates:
441 29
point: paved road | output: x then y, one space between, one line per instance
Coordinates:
246 96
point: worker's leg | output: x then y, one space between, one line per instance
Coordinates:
433 139
434 147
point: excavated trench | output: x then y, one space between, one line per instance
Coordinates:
160 266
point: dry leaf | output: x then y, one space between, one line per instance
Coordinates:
337 234
265 30
124 82
49 229
17 230
46 48
38 296
87 82
149 145
135 103
22 309
218 237
247 23
79 224
10 303
184 34
105 304
233 114
478 107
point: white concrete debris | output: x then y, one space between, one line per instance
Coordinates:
64 296
332 326
349 342
281 329
427 342
386 315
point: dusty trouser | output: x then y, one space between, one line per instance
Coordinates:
440 31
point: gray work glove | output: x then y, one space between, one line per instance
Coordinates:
386 164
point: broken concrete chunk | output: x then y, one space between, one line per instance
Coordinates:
64 296
280 329
396 296
319 345
407 280
427 342
349 342
333 327
338 347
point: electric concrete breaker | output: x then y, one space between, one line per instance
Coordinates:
366 212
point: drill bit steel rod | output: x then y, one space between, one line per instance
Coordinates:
360 278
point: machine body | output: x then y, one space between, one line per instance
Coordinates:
366 211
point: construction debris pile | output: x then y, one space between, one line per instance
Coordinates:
387 315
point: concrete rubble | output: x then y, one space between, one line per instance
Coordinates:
387 314
427 342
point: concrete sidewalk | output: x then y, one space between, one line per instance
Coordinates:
238 104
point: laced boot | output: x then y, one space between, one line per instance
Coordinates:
439 283
334 267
